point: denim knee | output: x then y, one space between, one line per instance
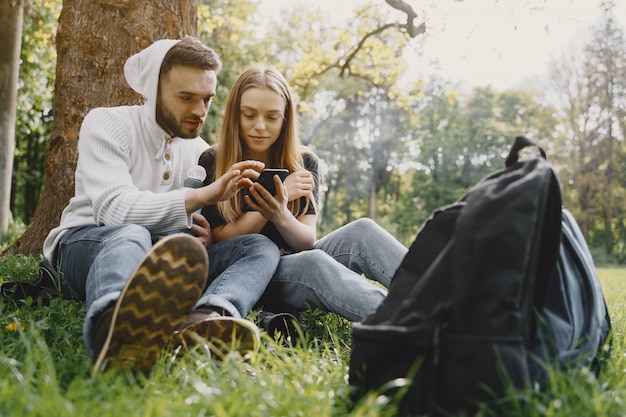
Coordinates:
261 243
362 227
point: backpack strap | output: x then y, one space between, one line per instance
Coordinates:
45 287
520 143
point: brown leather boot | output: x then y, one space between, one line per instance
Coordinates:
222 334
199 314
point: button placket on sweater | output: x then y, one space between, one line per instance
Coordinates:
166 162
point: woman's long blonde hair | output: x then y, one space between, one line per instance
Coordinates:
286 152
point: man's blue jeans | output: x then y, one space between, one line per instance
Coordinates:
329 276
95 262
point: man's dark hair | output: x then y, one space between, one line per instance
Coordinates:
192 53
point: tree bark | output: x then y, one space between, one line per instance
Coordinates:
94 39
11 17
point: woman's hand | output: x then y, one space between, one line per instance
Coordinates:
299 184
298 233
272 208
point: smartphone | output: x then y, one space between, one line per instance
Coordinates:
266 178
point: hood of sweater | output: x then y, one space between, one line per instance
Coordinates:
142 72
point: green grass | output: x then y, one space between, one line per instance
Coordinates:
45 370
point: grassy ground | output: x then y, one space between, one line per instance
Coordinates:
45 371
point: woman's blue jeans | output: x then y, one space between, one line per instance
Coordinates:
329 277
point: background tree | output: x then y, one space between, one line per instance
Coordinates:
89 73
107 41
457 139
606 51
401 149
229 28
34 105
11 34
346 79
592 86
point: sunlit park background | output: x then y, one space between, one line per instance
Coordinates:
404 123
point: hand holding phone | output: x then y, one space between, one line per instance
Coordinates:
266 179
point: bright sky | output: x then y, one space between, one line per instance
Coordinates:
481 42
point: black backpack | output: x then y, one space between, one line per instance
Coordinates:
495 290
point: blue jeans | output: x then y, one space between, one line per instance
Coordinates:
329 276
95 262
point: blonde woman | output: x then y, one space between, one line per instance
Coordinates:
260 124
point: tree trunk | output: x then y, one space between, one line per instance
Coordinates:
11 17
94 39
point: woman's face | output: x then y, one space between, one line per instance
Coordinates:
262 113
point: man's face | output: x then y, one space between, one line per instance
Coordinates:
184 99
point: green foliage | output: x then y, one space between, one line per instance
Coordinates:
601 257
16 229
392 151
454 141
44 367
229 28
34 104
346 75
18 268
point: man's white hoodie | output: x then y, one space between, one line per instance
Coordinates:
129 169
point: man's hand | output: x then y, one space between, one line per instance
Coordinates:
224 187
202 229
237 177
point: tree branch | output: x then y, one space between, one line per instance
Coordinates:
346 64
410 27
343 64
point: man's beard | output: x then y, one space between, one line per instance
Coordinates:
170 124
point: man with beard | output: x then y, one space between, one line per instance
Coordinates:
144 287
